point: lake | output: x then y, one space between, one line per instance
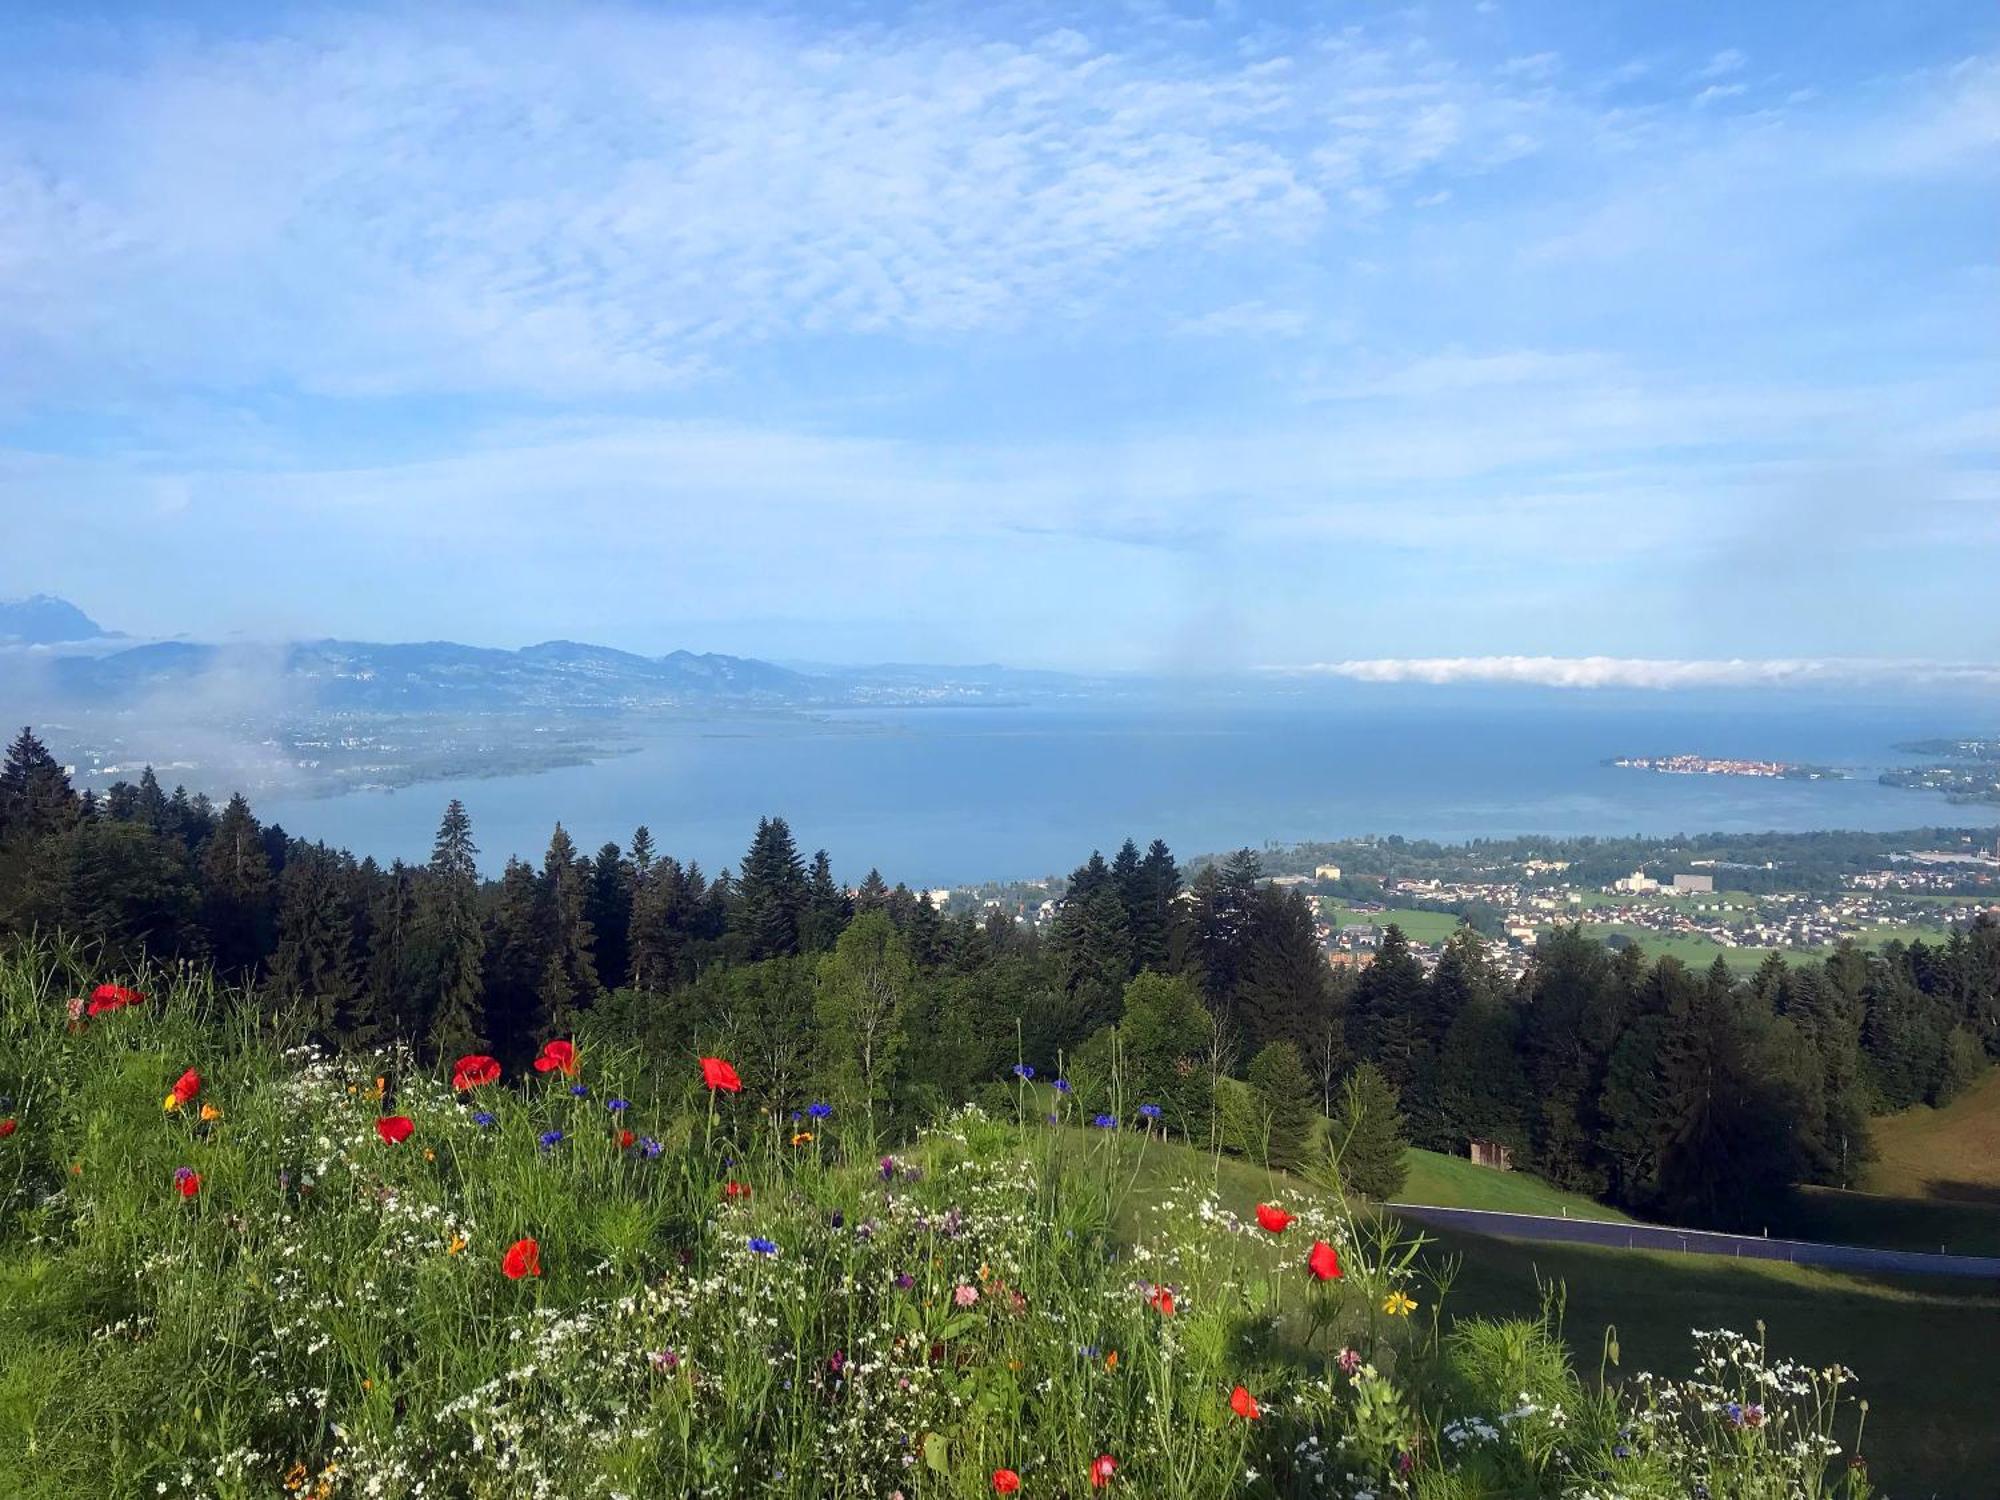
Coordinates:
941 796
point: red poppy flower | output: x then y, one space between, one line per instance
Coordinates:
187 1181
112 997
1163 1301
1244 1404
557 1057
395 1129
1274 1218
1102 1468
187 1086
717 1074
523 1258
474 1070
7 1128
736 1190
1323 1262
626 1140
1006 1482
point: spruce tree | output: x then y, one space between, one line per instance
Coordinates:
236 891
1283 993
516 955
1285 1104
828 910
568 980
609 907
36 801
873 894
771 894
312 969
457 1023
1366 1139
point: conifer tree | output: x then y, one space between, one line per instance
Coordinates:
771 894
312 970
873 894
1164 1037
828 910
516 955
36 801
1285 1104
568 981
391 952
1283 992
609 907
457 1022
1367 1140
236 891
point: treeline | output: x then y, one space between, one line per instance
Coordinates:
1691 1096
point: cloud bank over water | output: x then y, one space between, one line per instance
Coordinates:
1654 673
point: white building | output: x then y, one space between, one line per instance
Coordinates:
1326 872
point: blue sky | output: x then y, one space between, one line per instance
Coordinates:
1150 335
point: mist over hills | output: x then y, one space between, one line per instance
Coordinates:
446 677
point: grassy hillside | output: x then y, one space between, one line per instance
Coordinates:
1952 1152
1454 1182
1925 1350
233 1267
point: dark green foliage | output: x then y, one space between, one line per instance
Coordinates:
1686 1096
771 895
1367 1139
568 980
1285 1099
312 975
1165 1039
454 946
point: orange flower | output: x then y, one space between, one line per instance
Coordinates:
1006 1482
523 1258
1244 1404
1102 1468
1111 1360
1323 1262
557 1057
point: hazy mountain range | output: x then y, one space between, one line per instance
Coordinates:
444 676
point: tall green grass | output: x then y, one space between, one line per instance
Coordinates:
729 1302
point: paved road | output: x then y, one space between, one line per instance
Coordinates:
1700 1242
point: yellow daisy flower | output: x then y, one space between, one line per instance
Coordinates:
1396 1305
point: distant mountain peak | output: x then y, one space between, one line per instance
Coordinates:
45 620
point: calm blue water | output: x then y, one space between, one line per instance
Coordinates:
943 796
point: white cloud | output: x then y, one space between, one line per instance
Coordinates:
1716 92
1650 673
1727 61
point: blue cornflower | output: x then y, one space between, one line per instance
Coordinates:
1022 1070
819 1111
1106 1122
1621 1451
763 1246
838 1219
1150 1111
797 1117
650 1146
485 1119
581 1090
1055 1119
1735 1409
618 1106
1062 1085
551 1139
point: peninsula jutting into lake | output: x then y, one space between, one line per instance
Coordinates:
1708 765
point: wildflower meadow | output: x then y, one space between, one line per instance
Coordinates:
233 1264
